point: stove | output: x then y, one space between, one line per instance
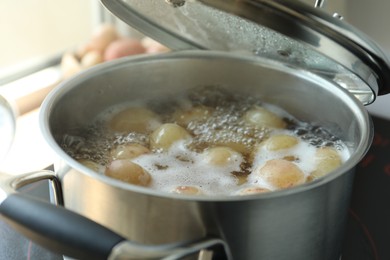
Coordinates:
368 229
14 246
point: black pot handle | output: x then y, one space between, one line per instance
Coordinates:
58 229
68 233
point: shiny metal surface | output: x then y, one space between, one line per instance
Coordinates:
288 30
128 251
7 126
319 3
11 183
5 186
19 181
306 222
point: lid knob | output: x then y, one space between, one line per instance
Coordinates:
319 3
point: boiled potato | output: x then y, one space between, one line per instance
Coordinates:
134 119
187 190
184 117
101 37
220 156
129 172
327 160
166 135
128 151
237 146
280 142
253 190
281 174
261 117
91 165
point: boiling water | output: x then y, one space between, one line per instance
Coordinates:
185 163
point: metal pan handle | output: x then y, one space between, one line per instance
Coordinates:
68 233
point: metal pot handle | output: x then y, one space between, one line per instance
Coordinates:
73 235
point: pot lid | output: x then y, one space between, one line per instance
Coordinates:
290 31
7 127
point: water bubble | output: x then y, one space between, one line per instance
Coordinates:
224 126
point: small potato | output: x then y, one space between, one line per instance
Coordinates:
281 174
253 190
91 58
134 119
83 49
129 172
101 37
167 134
327 160
122 48
184 117
69 65
91 165
261 117
239 147
280 142
187 190
220 156
128 151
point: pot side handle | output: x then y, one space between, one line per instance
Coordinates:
58 229
66 232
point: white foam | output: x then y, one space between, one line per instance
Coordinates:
184 164
182 167
304 153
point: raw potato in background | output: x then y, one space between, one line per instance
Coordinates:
106 44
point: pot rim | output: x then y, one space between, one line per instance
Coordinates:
67 85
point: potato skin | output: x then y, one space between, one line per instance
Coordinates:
253 190
327 160
134 119
280 142
166 135
281 174
261 117
187 190
220 156
128 151
129 172
184 117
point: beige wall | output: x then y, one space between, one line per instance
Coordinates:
372 17
33 28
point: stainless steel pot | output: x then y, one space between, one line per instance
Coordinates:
305 222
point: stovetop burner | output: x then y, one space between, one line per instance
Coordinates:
368 229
